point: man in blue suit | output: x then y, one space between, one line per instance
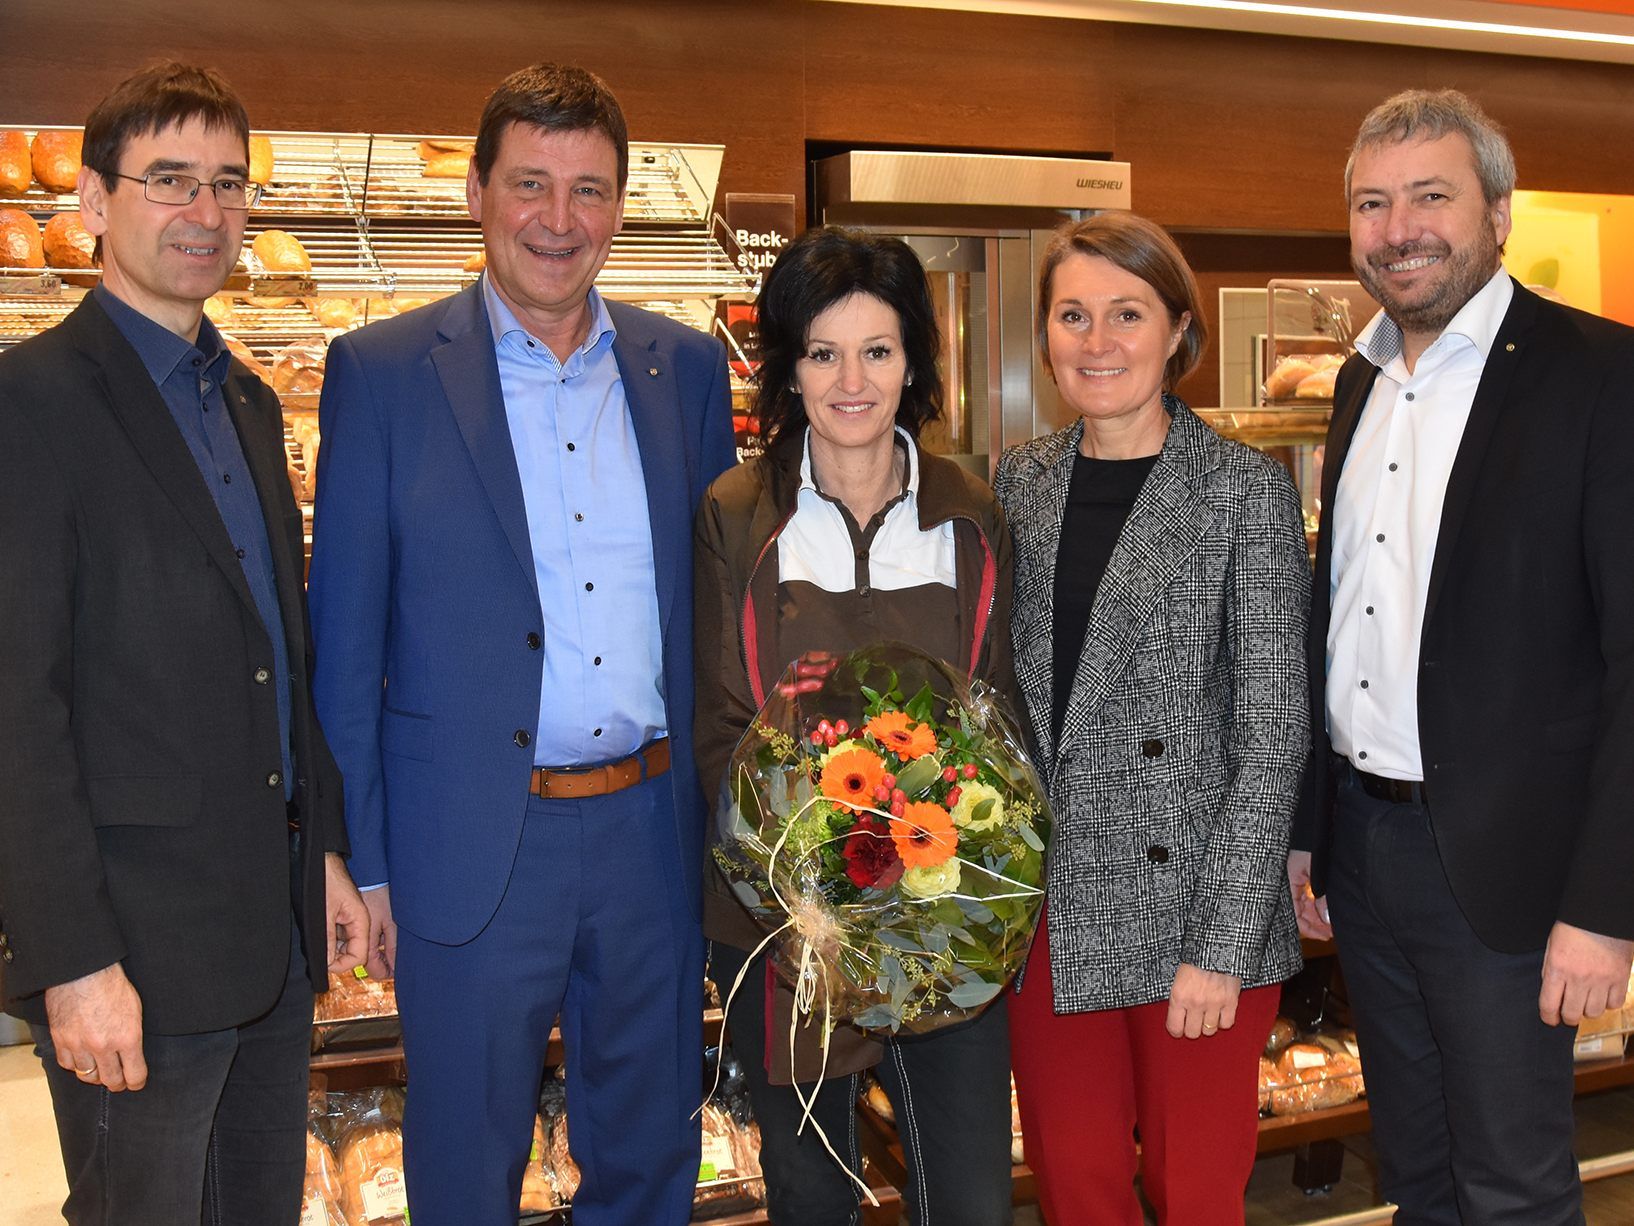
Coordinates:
501 596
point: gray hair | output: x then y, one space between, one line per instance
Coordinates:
1430 114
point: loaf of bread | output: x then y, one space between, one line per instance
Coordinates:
371 1174
447 165
219 310
476 263
260 160
55 157
321 1197
242 352
1317 385
431 146
1282 1033
349 995
1314 1074
20 245
280 252
16 171
68 244
298 368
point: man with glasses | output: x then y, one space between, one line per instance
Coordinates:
172 890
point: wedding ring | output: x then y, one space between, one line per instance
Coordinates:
1210 1029
86 1072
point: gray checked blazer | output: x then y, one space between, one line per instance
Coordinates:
1179 763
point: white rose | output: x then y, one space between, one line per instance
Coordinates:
932 881
973 794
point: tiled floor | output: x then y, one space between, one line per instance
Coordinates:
31 1182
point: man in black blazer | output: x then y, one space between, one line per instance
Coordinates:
167 906
1469 817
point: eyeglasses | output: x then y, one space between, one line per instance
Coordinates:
165 187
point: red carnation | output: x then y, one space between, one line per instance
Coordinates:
871 861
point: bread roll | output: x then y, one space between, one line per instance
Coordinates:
1316 386
477 262
280 252
431 146
55 156
68 244
321 1197
298 367
242 352
447 165
334 312
260 160
15 170
20 245
1286 375
219 310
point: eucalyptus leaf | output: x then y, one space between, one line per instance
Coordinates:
897 940
1030 837
975 912
969 995
878 1017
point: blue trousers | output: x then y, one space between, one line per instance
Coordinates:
594 926
1469 1090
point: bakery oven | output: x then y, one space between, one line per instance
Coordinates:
980 224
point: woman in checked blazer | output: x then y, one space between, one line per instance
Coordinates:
1161 594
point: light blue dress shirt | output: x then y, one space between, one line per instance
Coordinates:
602 693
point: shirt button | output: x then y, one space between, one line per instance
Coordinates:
533 641
598 661
1152 748
1380 538
1157 854
1362 754
597 732
227 477
571 447
274 779
863 590
1409 395
1370 610
590 587
578 517
262 676
522 739
1392 467
1364 683
239 552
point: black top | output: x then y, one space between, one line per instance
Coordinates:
1098 502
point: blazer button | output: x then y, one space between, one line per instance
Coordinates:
522 738
274 779
533 641
262 676
1152 748
1158 854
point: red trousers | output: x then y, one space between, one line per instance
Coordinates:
1086 1081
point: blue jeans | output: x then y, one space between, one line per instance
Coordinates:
217 1136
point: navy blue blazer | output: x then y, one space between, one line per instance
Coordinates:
423 594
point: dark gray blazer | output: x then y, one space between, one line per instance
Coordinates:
1175 778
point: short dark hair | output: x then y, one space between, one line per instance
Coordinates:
824 266
162 96
557 98
1144 249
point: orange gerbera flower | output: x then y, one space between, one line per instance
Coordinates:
850 778
901 735
924 835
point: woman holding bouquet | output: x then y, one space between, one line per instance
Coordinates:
1159 630
845 533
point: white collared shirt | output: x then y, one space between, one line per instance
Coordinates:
1386 519
816 544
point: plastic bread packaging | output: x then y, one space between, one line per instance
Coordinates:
558 1161
1313 1074
297 368
370 1152
321 1196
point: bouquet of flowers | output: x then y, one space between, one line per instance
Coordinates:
883 824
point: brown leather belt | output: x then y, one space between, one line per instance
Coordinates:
579 782
1396 791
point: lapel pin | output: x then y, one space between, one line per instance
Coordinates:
653 370
1510 348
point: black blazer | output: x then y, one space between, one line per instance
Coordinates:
140 816
1526 667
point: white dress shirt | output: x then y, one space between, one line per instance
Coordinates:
1386 518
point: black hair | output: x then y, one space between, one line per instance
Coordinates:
557 98
824 266
165 95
